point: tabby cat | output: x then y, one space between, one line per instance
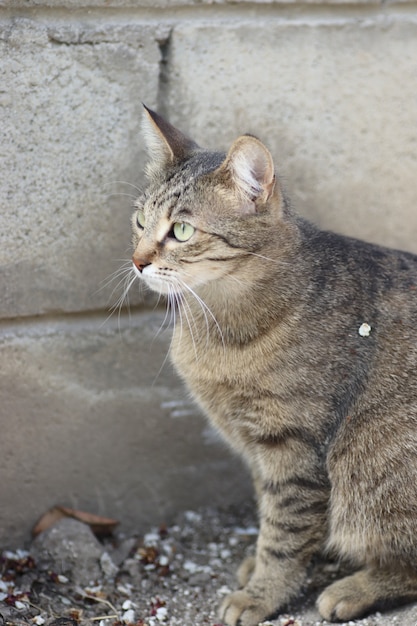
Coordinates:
300 346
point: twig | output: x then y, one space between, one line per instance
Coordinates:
84 594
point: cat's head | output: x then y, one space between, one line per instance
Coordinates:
204 213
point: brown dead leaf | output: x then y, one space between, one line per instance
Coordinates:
101 526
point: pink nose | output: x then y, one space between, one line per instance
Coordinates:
140 263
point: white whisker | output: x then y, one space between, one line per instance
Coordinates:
239 281
122 193
177 297
171 308
118 274
124 182
204 313
168 311
267 258
204 308
186 306
123 299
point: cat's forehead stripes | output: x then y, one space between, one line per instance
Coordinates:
180 181
165 199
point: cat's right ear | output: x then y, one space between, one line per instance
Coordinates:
250 170
166 144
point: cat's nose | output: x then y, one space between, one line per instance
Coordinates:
140 263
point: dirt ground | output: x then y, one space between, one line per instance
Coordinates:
174 575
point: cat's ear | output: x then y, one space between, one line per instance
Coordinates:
251 170
166 144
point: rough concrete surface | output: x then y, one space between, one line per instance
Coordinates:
334 99
70 125
169 4
90 420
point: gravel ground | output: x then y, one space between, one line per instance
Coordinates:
174 575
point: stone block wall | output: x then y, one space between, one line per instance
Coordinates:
91 414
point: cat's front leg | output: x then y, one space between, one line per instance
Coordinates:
247 567
292 528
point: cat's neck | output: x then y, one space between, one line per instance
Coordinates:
245 305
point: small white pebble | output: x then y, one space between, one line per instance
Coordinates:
163 560
233 541
65 601
191 567
225 554
15 556
126 589
62 579
127 604
162 614
38 620
223 591
151 540
128 616
20 605
92 589
213 548
364 330
192 516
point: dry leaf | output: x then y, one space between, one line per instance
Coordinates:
100 526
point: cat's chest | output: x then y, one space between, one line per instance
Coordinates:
209 361
242 388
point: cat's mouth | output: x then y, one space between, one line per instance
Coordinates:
162 280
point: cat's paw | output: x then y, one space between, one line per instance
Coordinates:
344 600
241 609
245 570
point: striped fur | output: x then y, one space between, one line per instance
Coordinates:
268 310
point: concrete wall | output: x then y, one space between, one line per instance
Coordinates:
90 414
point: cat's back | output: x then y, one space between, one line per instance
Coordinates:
370 288
365 297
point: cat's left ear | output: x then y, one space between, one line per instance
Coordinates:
251 169
166 144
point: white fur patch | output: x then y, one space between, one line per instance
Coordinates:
157 147
252 169
246 174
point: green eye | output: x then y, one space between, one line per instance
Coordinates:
183 231
140 218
